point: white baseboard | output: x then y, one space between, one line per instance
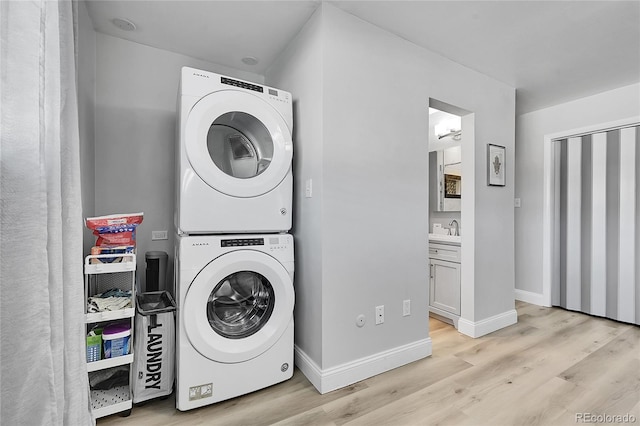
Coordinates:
529 297
488 325
346 374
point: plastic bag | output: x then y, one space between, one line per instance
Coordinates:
115 230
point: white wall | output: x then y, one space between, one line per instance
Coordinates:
299 71
531 128
376 192
375 90
135 117
379 90
86 113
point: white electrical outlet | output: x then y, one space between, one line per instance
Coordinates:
379 314
406 307
159 235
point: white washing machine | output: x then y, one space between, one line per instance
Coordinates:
235 315
234 156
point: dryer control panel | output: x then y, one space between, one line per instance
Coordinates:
274 94
242 84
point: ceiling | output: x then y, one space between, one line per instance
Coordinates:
550 51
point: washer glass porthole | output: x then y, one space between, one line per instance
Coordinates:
240 145
240 305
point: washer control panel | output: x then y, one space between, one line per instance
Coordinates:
272 243
279 243
242 242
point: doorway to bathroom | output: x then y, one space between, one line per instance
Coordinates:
450 135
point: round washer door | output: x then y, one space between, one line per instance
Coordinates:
238 144
238 306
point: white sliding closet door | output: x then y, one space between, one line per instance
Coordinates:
599 224
627 243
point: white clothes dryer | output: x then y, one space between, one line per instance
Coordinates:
234 156
235 315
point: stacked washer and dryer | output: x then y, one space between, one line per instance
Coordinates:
234 260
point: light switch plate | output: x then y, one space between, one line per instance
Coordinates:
406 307
308 188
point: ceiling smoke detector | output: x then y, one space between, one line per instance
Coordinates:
250 60
123 24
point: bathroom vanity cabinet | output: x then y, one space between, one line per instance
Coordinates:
444 280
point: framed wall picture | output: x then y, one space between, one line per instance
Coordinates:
496 165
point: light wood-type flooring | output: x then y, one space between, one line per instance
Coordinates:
549 368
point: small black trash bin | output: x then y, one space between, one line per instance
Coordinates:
156 271
154 347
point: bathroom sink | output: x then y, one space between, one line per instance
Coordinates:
451 239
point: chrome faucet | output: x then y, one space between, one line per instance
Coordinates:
457 228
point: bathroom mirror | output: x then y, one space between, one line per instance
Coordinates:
445 157
446 179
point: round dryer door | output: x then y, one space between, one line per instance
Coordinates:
238 306
238 144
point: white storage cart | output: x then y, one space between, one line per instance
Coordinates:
102 273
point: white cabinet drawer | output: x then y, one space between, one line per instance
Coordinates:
444 289
445 252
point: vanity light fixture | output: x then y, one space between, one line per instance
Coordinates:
456 135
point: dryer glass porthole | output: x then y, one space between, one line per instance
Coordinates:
240 145
240 305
